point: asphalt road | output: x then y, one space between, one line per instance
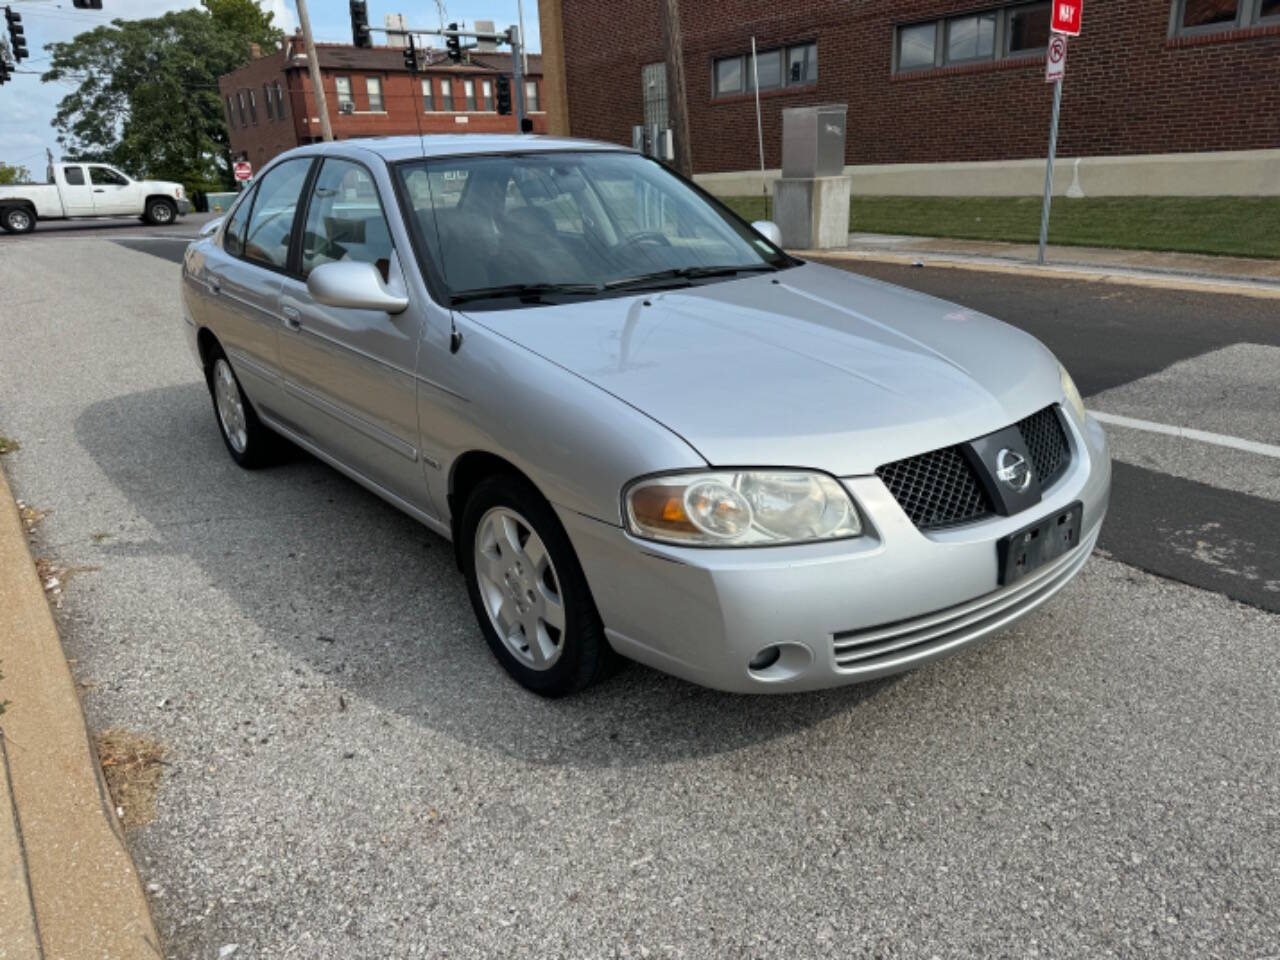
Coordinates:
106 227
352 776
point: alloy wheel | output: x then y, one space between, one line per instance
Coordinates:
520 588
226 394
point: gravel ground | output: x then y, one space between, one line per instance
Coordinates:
353 776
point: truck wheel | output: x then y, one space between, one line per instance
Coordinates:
18 219
160 212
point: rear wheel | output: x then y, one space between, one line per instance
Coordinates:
528 590
18 219
248 441
160 212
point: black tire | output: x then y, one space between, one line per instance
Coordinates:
584 655
18 219
160 212
251 444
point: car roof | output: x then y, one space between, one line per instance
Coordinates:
396 148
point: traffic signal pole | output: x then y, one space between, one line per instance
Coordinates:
313 67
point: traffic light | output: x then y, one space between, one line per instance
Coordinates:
504 94
453 43
411 56
4 71
17 36
87 4
360 34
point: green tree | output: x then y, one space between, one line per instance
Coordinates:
13 174
147 91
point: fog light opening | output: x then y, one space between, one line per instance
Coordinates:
766 658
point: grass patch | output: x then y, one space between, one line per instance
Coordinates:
1233 226
8 445
131 764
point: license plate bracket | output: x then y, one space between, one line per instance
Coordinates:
1033 546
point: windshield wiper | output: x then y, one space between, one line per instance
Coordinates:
687 273
524 291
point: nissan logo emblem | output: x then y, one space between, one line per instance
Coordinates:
1013 470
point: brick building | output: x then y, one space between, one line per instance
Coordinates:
270 106
1160 96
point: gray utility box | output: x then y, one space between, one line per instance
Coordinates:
813 141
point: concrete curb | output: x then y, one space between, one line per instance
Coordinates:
1138 278
81 882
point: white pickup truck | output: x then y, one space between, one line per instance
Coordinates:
89 190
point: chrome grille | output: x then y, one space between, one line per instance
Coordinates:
937 489
1047 443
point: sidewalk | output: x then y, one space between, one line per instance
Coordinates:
68 887
1238 275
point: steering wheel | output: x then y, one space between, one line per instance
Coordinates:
646 236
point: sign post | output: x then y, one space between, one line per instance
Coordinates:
1067 16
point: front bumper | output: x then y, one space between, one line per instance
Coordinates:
841 612
184 206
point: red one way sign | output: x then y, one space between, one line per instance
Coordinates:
1067 16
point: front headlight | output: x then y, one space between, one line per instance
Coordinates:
741 508
1074 400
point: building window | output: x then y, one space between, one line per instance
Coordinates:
1028 30
446 95
231 114
374 87
1207 16
342 85
486 96
1017 30
240 104
266 101
279 101
781 67
253 109
531 96
469 92
428 95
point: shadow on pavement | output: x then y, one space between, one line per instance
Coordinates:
365 595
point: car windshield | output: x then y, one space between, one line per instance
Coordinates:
528 227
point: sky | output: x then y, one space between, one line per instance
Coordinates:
27 106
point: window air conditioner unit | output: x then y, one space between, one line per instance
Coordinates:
347 107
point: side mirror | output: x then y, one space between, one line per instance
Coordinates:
210 227
769 230
356 285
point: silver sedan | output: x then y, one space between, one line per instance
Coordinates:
647 429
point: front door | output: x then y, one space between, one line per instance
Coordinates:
113 192
349 374
244 281
76 192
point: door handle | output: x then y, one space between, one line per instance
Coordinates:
214 286
292 318
99 190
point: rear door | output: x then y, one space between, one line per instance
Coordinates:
349 374
243 280
113 192
75 190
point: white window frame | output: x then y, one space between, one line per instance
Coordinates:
469 94
338 83
428 95
531 93
486 96
369 84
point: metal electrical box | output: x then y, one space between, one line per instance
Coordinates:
813 141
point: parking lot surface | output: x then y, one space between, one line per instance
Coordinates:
352 775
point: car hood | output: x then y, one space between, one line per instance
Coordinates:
809 367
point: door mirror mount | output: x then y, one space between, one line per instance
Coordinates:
354 285
769 230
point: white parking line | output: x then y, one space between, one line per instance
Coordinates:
1188 433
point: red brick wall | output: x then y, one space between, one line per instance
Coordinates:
402 99
1129 89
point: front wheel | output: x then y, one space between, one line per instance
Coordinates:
528 590
160 213
18 220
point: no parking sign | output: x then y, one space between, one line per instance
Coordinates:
1055 65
